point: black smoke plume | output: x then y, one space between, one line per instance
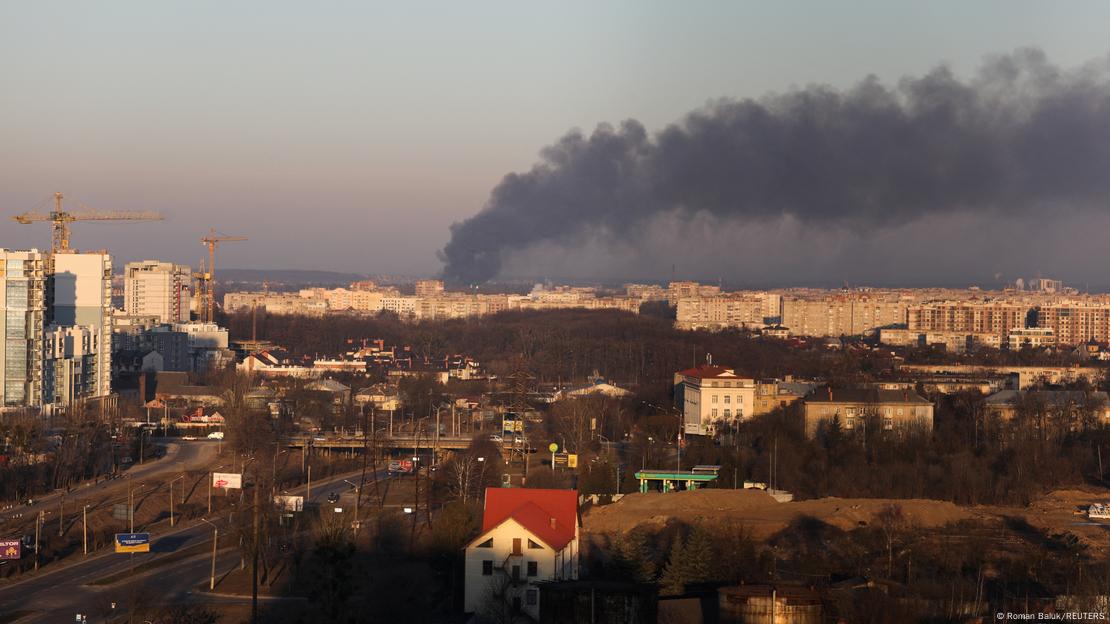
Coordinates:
1021 137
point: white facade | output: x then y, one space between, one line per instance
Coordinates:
505 565
160 289
82 288
714 395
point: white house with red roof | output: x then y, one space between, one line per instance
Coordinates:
528 536
712 395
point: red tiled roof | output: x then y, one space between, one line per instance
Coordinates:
551 515
708 372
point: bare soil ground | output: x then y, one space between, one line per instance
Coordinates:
1056 512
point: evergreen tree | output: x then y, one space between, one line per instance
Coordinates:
635 559
699 557
676 574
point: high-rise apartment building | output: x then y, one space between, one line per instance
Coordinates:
23 300
1075 324
159 289
971 317
81 297
57 330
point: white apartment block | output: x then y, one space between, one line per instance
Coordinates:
82 288
159 289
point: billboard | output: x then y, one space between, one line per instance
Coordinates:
227 480
132 542
11 549
566 460
289 502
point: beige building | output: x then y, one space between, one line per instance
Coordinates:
159 289
1034 337
1075 324
429 288
843 314
952 341
968 317
894 410
712 396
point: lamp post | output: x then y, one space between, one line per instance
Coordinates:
171 496
85 527
215 541
358 495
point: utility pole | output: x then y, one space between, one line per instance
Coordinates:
308 493
61 502
38 537
85 527
254 554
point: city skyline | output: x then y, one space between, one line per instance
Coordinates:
378 155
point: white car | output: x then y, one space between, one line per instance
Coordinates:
496 438
216 435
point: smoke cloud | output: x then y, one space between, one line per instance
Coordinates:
1021 138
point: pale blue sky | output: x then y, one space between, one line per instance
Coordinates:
350 135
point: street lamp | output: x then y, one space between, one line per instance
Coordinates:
171 496
215 541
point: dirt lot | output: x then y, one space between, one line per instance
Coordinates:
1054 513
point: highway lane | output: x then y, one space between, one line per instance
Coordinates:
57 594
179 455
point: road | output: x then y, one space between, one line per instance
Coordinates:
58 595
178 455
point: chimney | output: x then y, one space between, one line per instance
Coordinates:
830 393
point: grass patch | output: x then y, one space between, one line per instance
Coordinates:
12 616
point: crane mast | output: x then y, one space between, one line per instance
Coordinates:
212 241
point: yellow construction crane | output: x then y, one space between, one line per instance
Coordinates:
61 220
212 241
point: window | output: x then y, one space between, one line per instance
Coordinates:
728 398
486 544
714 398
531 597
516 573
714 413
533 568
728 413
487 567
533 545
899 411
516 545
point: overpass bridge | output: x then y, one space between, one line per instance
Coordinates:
382 442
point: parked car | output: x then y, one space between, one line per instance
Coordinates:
333 498
495 438
216 435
